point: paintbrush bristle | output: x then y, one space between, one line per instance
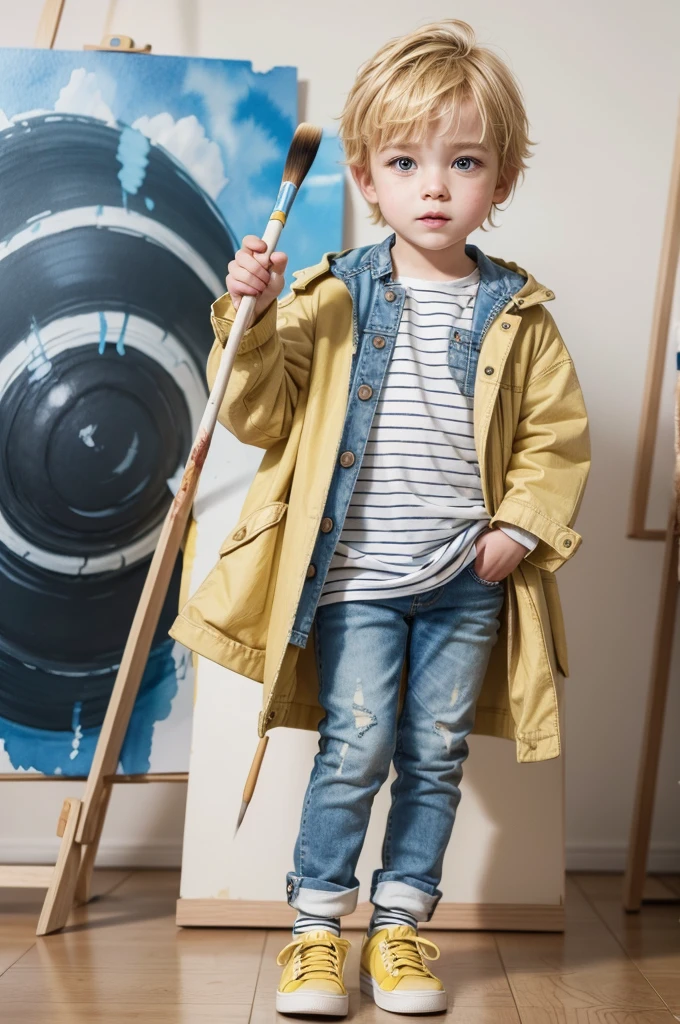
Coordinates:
301 154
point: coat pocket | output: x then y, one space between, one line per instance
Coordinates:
247 572
253 525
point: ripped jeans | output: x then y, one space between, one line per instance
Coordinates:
447 634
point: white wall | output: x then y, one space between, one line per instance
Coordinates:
601 85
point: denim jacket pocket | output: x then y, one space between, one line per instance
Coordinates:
463 359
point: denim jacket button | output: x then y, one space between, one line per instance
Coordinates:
326 525
378 342
289 887
488 370
390 296
365 392
311 572
347 459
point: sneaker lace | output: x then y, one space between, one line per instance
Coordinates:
406 954
313 957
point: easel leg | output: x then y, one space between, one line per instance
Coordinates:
59 898
89 852
107 752
656 705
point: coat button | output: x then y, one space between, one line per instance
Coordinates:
365 392
272 714
378 342
347 459
567 543
326 525
520 302
390 296
550 295
506 326
488 370
240 534
311 572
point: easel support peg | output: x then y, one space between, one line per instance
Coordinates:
121 44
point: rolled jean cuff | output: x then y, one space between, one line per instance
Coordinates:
314 896
397 895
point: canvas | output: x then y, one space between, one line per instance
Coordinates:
127 183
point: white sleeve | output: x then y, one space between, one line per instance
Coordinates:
529 540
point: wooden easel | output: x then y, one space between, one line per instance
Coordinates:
668 599
81 820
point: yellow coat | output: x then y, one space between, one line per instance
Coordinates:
288 394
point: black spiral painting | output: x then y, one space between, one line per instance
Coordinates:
110 256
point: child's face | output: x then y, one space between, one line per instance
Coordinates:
449 175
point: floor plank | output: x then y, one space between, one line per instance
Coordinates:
122 958
650 938
673 882
597 1015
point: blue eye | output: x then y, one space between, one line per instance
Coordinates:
403 163
466 159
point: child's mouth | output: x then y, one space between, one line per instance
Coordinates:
433 220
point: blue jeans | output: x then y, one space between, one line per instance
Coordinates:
446 636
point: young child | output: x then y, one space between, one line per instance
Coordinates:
426 455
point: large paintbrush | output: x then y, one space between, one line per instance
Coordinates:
301 155
299 161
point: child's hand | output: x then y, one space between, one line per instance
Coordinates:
497 555
249 274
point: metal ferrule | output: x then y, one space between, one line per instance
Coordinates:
285 198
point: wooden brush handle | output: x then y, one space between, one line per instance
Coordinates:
242 321
251 781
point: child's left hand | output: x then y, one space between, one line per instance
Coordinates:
497 555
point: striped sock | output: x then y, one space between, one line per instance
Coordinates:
310 923
383 917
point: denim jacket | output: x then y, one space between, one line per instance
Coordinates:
377 307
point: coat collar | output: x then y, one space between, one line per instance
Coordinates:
498 277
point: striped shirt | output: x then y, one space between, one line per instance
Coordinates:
417 505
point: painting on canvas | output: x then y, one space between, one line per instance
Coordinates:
127 183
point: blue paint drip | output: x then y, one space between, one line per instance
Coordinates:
50 752
149 203
120 344
132 154
103 329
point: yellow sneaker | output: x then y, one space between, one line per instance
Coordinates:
394 972
311 981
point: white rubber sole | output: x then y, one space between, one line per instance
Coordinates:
330 1003
426 1001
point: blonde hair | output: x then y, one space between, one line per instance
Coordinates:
427 74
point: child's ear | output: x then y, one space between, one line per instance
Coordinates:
364 182
504 187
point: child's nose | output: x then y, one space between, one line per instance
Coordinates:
435 190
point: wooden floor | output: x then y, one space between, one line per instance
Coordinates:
122 959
